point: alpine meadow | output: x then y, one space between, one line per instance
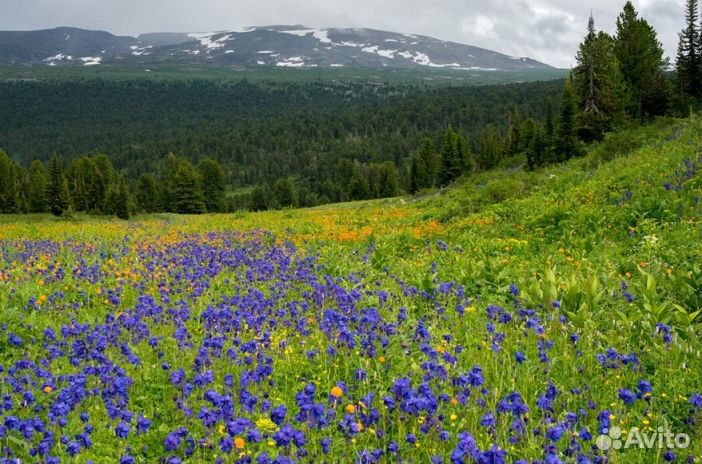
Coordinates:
291 244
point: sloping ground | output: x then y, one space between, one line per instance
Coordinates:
515 316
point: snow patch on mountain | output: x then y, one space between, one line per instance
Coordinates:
292 62
91 60
206 39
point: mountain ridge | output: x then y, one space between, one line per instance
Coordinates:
294 46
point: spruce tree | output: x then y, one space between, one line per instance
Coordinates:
689 57
100 178
258 200
185 191
284 193
490 149
455 157
213 184
599 85
388 185
8 185
423 167
641 61
514 142
38 180
57 191
358 187
122 200
537 151
567 144
147 194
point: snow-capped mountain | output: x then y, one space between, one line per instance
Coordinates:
280 46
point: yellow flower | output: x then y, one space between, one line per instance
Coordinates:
47 389
336 392
350 408
239 443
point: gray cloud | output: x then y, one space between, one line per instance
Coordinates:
547 30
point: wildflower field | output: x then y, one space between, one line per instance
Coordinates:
513 318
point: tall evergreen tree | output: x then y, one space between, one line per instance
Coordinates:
688 63
258 200
122 200
213 184
358 187
599 85
423 167
388 184
38 181
57 191
456 157
184 190
567 144
100 179
514 139
8 185
147 194
537 151
284 193
640 56
490 149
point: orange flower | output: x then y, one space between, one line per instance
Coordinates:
350 408
336 392
239 443
47 389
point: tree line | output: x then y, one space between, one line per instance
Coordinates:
617 81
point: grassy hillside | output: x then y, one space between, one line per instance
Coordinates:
516 315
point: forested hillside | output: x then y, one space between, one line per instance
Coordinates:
257 131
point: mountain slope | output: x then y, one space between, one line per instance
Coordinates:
280 46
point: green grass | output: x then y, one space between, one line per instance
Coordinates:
574 233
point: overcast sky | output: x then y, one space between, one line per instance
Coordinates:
547 30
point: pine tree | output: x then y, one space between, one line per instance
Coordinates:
358 188
537 151
689 57
388 184
567 144
599 85
8 185
423 167
147 194
184 190
456 157
490 149
213 184
100 178
122 200
514 142
258 200
284 193
550 124
38 180
549 132
465 156
641 61
57 191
